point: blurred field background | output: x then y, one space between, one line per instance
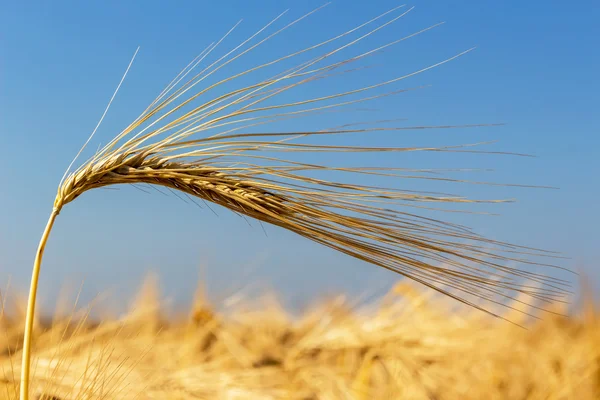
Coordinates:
409 344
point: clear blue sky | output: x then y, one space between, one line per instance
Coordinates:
535 69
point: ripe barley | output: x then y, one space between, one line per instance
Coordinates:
215 150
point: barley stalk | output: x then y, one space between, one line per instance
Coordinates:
216 151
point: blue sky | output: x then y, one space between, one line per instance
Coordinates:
535 69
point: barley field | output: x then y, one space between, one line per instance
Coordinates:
410 344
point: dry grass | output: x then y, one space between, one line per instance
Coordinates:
410 345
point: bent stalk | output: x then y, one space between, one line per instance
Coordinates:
26 361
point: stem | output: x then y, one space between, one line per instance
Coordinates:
26 361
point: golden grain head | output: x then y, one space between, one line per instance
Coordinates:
217 150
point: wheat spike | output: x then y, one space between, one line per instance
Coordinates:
214 149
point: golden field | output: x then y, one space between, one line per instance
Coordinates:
411 344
